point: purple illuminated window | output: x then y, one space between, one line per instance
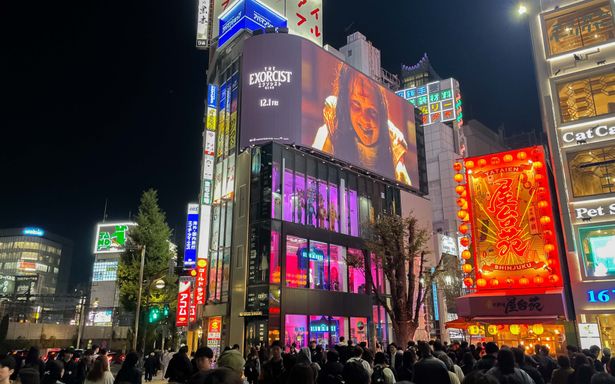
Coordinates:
287 201
299 199
356 276
358 330
323 206
338 268
274 259
334 209
276 195
296 330
312 202
296 264
318 257
353 209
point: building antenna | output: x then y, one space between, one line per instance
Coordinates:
105 211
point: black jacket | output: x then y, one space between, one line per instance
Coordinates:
130 375
430 370
179 369
486 363
330 371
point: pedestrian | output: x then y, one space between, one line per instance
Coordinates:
440 355
273 370
582 374
354 373
165 359
252 369
54 370
151 366
217 376
99 372
505 370
602 378
129 373
488 360
203 358
429 370
405 371
382 373
180 368
357 353
33 369
467 363
7 368
71 373
302 374
521 361
331 372
561 375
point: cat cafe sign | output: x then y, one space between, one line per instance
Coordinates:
593 211
587 135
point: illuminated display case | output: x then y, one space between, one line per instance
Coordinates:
592 172
597 246
586 96
582 25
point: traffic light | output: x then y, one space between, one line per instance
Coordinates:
165 311
154 315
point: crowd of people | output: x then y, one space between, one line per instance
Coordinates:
345 363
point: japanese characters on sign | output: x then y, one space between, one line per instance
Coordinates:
305 19
192 230
183 301
202 24
250 15
437 101
201 281
508 205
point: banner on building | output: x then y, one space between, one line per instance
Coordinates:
183 302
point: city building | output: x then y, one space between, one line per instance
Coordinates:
288 193
421 73
481 140
34 262
109 244
574 55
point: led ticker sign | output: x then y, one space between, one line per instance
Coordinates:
437 101
507 203
33 231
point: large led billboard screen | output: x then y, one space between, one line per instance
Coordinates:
111 237
295 92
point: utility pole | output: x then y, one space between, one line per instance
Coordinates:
138 312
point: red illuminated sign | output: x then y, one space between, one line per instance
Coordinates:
507 204
183 302
201 279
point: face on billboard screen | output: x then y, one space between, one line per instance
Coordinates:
295 92
510 212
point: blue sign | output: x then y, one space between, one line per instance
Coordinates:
32 231
192 230
212 96
313 254
248 14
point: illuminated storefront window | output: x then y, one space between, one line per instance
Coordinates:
356 279
324 330
358 329
592 172
317 257
597 245
295 330
296 272
588 97
274 259
339 270
584 25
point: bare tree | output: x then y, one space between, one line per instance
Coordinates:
399 248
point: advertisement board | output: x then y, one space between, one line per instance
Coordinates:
202 24
7 285
111 237
305 19
437 101
192 231
183 302
100 317
25 285
294 92
104 270
250 15
508 205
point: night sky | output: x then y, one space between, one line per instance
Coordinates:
105 99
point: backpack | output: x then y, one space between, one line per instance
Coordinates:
378 375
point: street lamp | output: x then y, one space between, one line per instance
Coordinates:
522 9
159 284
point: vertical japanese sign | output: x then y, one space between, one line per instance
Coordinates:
214 334
192 230
201 279
305 19
509 208
183 302
203 24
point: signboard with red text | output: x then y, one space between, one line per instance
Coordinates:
201 281
509 206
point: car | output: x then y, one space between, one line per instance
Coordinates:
50 354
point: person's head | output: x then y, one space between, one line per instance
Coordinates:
610 366
467 359
103 351
131 360
424 350
443 357
594 350
579 359
380 358
218 376
411 344
491 348
602 378
68 354
302 374
355 373
480 377
519 356
253 352
333 356
506 361
232 359
203 358
33 356
304 356
572 349
392 348
313 344
606 352
357 351
54 370
97 371
7 368
544 350
95 349
276 350
563 361
409 358
342 338
437 346
236 346
583 374
183 350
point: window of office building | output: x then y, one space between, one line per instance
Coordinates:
597 245
586 97
587 24
592 172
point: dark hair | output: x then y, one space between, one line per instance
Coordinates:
479 377
217 376
491 347
409 358
424 349
357 351
204 352
102 351
235 346
333 355
602 378
131 360
437 346
468 359
33 356
355 373
519 355
506 361
583 374
277 344
563 361
7 361
184 350
101 364
302 374
380 358
579 359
